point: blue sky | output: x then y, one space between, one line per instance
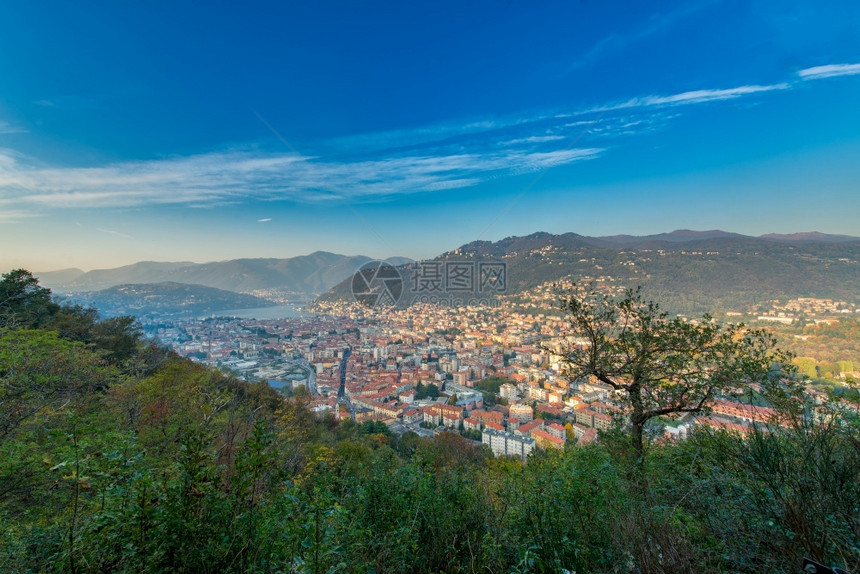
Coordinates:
197 131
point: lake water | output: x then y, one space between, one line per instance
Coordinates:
276 312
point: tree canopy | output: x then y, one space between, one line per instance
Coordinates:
23 302
660 365
119 456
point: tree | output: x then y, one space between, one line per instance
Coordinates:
426 391
23 303
659 365
41 374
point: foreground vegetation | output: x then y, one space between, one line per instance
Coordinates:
116 455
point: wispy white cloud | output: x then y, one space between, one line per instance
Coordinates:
829 71
422 135
239 176
8 128
540 161
14 215
115 233
692 97
264 220
541 127
11 212
417 160
453 184
700 96
580 123
533 139
619 125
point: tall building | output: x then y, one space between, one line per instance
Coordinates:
507 444
509 392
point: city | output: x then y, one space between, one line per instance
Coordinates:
493 378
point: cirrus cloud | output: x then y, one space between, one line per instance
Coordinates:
420 160
829 71
237 176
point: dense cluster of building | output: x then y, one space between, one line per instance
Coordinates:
811 309
426 369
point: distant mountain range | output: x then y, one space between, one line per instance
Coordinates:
304 275
686 271
677 236
684 235
165 299
811 236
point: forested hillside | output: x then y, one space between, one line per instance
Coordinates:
688 273
117 455
165 299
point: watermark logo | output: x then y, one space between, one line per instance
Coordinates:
377 284
443 283
458 283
